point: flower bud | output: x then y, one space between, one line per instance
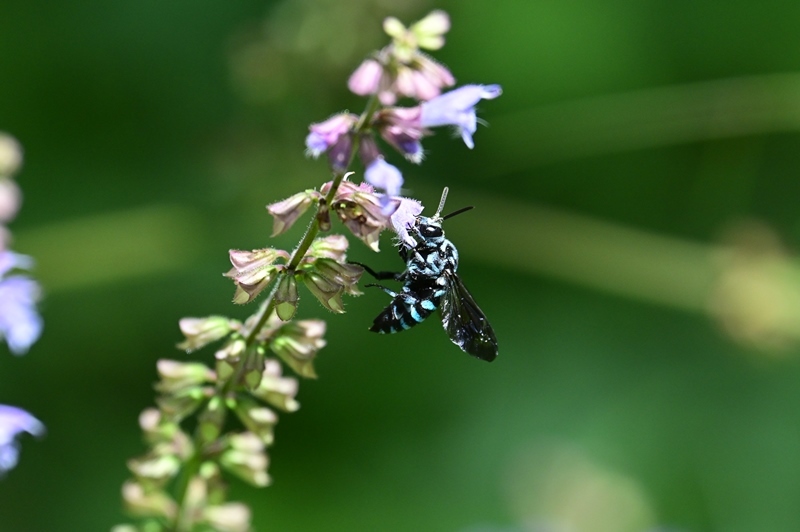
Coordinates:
147 502
253 271
125 528
215 485
258 419
253 369
366 78
245 458
285 213
150 419
202 331
429 32
156 427
194 500
178 406
228 517
297 344
433 73
210 421
10 155
177 376
10 199
277 390
231 352
329 247
286 297
393 27
155 466
327 292
344 274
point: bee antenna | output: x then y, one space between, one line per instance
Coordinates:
441 202
459 211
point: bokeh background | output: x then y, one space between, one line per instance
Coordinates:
634 244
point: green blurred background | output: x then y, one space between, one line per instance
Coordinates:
636 211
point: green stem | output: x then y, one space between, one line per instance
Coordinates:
192 466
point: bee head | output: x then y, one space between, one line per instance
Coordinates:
430 228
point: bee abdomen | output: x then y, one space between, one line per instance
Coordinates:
404 312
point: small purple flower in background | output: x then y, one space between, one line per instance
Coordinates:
457 108
20 324
12 422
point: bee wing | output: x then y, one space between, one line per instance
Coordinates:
465 323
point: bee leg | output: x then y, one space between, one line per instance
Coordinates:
379 276
387 290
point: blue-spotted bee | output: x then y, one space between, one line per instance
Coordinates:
430 282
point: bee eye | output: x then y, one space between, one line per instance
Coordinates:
431 230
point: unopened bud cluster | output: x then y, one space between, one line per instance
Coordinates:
245 382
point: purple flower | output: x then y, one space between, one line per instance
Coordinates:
404 217
20 325
401 127
457 108
423 79
13 421
383 175
366 79
326 134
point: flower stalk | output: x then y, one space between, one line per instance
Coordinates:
247 378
